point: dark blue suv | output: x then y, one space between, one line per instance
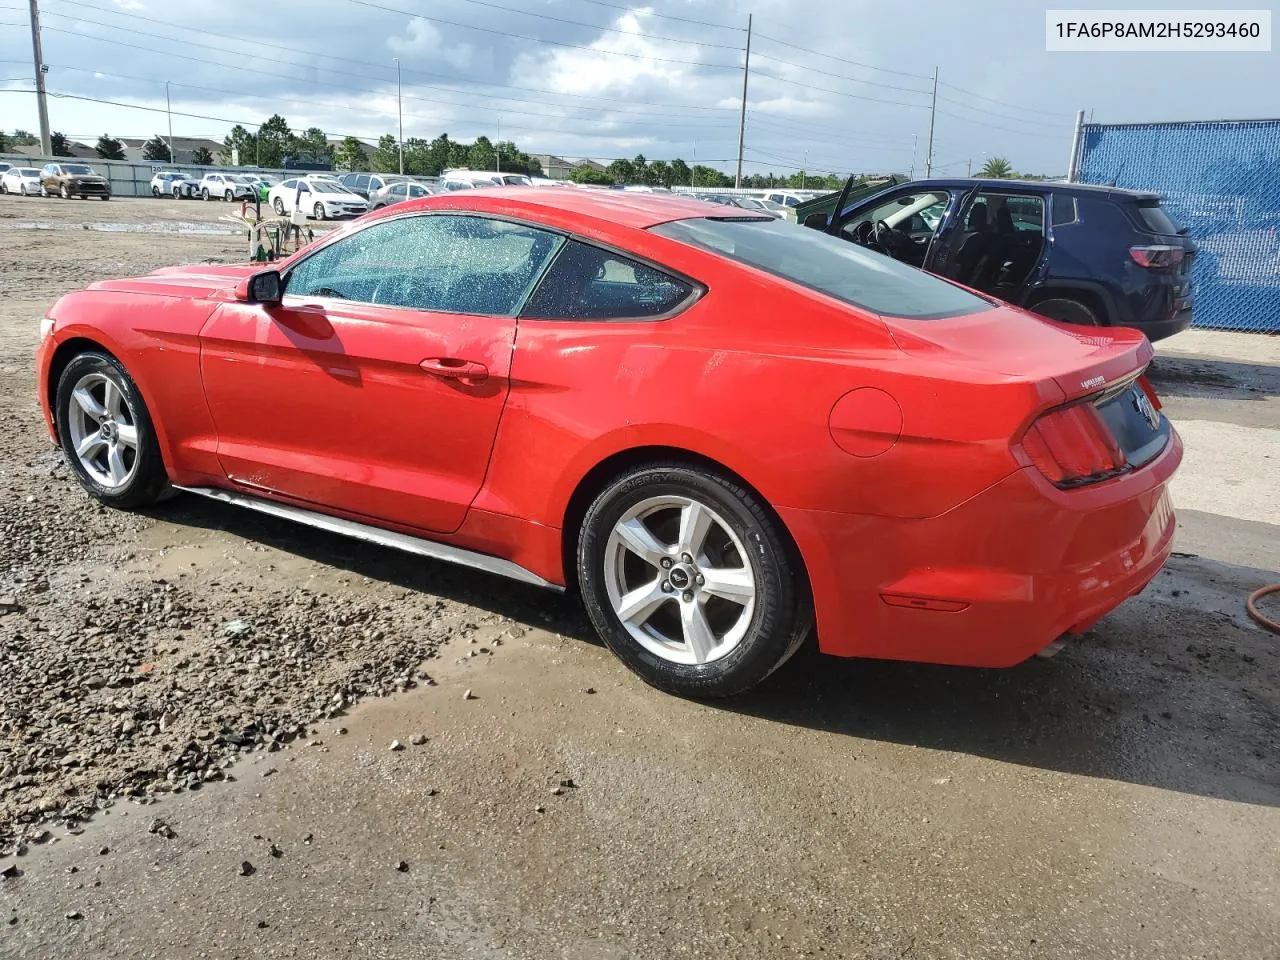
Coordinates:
1068 251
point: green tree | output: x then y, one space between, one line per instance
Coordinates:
622 171
4 143
586 174
481 155
201 156
58 142
680 173
275 140
997 168
351 154
244 145
109 148
710 177
640 170
438 154
514 160
458 154
157 150
660 173
314 146
21 138
386 158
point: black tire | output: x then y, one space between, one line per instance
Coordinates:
106 196
149 481
1066 310
66 194
155 192
317 212
278 204
204 193
228 196
4 190
782 615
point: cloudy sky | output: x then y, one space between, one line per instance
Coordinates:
840 86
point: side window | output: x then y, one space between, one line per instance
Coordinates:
398 190
909 212
448 263
1064 210
366 182
1013 214
289 184
588 283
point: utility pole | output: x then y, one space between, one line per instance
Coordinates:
1073 163
400 113
933 111
804 171
169 110
912 174
742 117
968 170
497 157
46 140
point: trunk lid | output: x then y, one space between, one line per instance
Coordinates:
1012 344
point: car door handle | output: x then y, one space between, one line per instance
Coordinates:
453 368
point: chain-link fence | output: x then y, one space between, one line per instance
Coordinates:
130 178
1220 179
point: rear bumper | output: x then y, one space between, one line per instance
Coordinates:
993 580
1160 329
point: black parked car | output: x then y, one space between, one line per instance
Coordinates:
1068 251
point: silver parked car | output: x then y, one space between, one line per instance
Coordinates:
399 192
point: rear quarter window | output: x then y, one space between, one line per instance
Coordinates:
590 283
1151 215
829 265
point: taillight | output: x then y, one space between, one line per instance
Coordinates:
1073 445
1157 255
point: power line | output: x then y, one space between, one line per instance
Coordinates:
368 63
554 43
596 26
838 93
1003 103
854 63
1002 116
349 89
992 126
841 76
667 16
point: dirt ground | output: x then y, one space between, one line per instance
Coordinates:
176 701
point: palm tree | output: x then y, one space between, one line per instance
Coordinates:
996 168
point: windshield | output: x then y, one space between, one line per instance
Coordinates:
836 267
78 168
327 186
29 172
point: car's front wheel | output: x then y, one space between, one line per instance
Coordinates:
318 211
689 580
106 432
228 196
66 194
279 207
155 192
204 193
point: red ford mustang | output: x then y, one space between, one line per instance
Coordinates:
721 429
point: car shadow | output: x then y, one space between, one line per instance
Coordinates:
1176 375
1181 698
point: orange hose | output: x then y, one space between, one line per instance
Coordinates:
1251 606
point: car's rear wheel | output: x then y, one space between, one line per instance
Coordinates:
318 211
279 207
66 194
689 580
1066 310
107 434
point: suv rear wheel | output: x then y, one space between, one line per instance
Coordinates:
689 581
1066 310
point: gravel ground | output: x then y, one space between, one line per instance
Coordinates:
1120 799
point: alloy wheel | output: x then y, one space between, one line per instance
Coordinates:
104 432
679 580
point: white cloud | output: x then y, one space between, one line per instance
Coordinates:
423 43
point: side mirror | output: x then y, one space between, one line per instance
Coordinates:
265 287
816 220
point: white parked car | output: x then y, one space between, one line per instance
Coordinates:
397 192
320 197
224 186
476 179
170 183
21 180
788 198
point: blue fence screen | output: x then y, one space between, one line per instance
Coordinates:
1220 179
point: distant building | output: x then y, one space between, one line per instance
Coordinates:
183 148
559 168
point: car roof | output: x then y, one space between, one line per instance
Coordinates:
636 210
1055 186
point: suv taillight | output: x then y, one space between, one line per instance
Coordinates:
1073 445
1157 255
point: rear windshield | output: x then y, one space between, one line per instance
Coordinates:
838 268
1156 220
